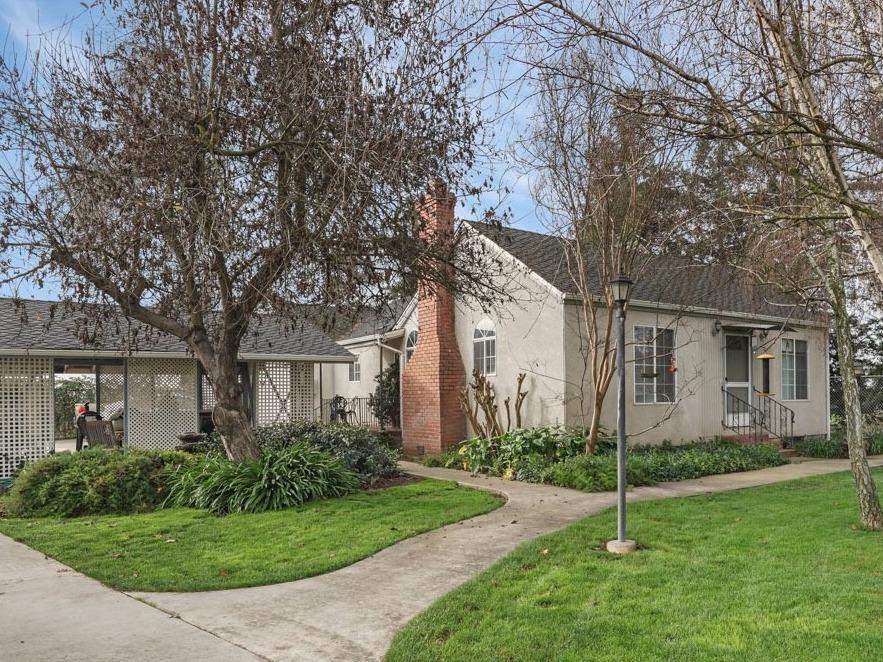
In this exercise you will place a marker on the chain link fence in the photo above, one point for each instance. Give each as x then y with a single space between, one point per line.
871 397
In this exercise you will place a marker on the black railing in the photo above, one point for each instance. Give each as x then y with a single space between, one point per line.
353 411
768 417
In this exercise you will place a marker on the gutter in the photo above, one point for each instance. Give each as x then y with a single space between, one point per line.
248 356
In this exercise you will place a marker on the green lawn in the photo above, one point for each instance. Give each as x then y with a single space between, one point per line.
774 573
191 550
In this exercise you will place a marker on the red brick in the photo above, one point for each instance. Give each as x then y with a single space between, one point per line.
432 419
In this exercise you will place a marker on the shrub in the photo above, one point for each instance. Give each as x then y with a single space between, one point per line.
835 447
649 465
94 482
386 401
506 454
282 478
820 447
359 450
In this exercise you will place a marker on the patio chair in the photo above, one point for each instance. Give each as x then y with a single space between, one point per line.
100 434
80 423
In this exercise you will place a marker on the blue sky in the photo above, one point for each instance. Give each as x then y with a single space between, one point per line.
21 18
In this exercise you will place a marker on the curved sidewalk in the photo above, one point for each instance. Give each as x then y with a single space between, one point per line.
353 613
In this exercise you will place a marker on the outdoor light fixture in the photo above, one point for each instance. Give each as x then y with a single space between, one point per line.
622 289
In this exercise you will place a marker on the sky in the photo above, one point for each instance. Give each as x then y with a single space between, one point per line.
510 194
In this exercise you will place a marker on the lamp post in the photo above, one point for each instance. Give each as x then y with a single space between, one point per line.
622 288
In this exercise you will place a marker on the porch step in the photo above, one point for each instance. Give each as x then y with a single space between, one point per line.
755 438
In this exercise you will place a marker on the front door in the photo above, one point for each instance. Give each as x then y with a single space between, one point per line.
737 380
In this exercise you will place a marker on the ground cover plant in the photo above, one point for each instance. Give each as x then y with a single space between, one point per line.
555 455
93 482
835 447
773 573
182 549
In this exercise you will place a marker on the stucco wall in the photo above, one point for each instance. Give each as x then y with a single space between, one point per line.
699 361
335 376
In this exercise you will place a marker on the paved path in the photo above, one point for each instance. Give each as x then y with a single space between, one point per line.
48 612
353 613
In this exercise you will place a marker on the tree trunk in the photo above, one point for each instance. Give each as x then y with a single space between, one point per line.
236 432
868 499
595 424
229 415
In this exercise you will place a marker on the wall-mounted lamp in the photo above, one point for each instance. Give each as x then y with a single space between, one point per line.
716 328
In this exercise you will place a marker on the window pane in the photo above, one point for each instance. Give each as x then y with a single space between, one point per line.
801 387
665 379
478 356
737 359
788 371
490 355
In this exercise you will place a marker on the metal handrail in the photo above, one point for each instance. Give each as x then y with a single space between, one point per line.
770 416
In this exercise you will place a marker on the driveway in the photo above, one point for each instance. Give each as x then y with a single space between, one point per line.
50 612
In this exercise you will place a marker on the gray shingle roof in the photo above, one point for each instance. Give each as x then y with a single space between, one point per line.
668 280
46 325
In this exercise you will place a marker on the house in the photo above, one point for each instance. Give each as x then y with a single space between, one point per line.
149 380
708 353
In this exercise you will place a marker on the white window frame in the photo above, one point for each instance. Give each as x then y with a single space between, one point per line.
657 335
485 337
411 344
793 353
355 371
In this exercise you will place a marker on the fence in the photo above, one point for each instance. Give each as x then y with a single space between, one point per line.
354 411
870 388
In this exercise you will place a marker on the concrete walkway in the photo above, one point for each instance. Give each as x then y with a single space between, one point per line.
353 613
49 612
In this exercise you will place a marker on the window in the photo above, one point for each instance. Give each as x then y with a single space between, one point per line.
484 348
355 371
654 365
410 345
794 370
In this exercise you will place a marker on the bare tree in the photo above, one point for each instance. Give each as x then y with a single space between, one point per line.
199 162
797 86
604 181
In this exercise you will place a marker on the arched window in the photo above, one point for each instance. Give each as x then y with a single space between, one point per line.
410 344
484 348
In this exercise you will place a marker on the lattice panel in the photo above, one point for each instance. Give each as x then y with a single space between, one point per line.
208 393
302 404
111 389
26 411
162 401
284 392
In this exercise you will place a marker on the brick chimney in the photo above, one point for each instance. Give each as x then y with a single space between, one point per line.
432 419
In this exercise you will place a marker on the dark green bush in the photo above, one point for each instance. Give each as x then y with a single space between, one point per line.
282 478
649 465
359 450
94 482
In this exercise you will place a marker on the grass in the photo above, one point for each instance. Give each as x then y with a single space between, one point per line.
774 573
191 550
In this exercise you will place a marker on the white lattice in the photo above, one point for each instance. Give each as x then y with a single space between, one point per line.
26 411
161 400
111 389
302 404
284 392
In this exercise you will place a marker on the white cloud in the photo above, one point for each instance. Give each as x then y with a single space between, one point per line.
20 17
